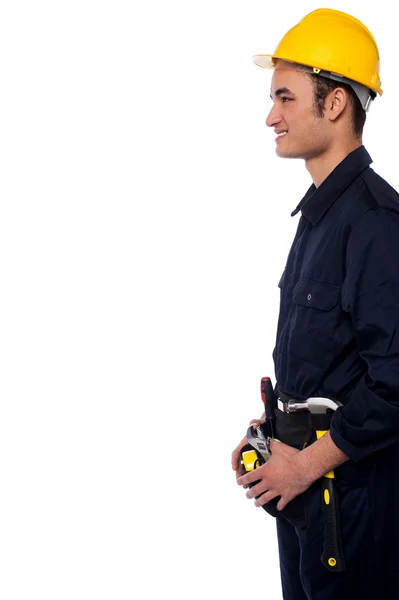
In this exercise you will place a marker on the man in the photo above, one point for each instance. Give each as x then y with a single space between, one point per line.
338 329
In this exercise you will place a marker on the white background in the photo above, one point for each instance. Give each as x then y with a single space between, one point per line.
145 222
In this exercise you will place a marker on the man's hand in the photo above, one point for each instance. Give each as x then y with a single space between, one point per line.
235 456
281 475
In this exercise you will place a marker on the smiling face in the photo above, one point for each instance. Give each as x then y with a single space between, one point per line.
301 133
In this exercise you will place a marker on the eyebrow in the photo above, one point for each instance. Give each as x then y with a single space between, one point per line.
280 91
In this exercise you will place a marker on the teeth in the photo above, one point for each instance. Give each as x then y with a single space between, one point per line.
282 133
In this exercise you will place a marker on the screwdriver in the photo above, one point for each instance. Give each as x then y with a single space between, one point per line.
268 399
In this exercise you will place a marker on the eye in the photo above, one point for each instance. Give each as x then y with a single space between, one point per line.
285 99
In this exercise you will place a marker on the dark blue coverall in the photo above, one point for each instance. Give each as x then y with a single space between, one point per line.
338 337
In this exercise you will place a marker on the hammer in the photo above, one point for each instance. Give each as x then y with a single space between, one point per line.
333 555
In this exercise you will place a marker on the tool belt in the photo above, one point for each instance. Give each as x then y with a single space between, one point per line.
297 430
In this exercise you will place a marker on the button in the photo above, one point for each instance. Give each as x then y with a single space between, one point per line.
309 296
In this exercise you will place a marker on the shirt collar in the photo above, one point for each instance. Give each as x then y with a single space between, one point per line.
317 201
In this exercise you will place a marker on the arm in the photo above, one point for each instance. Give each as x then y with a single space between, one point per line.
320 457
369 421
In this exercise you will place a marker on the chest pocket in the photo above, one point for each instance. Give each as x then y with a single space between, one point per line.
320 296
316 316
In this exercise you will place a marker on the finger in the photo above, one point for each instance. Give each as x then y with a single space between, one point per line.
244 480
256 422
277 447
234 460
282 503
266 497
256 490
235 455
239 470
239 473
248 478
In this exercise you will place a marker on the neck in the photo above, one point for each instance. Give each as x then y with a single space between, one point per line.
322 165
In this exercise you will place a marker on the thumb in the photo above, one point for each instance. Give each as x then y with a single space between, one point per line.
273 443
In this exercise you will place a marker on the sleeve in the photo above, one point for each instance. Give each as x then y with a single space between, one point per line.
369 421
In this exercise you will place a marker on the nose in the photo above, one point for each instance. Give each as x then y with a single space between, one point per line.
273 118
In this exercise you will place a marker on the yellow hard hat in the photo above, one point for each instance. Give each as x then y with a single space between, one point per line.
332 41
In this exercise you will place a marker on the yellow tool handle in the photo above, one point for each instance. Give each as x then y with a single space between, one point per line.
333 556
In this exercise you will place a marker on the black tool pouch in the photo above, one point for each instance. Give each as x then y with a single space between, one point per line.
294 512
294 433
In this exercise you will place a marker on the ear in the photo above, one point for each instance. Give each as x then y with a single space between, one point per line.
336 102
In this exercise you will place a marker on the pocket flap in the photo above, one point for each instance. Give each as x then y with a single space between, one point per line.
313 294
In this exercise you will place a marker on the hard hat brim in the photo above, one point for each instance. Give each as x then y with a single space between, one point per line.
264 60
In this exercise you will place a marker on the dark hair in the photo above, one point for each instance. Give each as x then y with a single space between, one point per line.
322 86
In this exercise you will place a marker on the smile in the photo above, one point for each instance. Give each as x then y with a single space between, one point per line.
280 135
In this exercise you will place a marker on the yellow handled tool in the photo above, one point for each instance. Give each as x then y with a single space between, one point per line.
333 555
